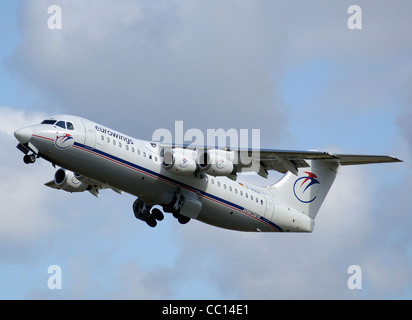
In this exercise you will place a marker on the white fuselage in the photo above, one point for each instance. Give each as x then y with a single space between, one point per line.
135 166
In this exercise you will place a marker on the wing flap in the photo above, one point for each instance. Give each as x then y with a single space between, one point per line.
287 160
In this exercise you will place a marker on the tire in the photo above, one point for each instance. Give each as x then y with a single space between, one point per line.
26 159
157 214
29 158
151 222
183 219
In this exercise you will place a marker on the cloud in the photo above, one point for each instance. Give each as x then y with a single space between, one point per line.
24 216
404 121
162 60
211 64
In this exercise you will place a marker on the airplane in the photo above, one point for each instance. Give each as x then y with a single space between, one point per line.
189 182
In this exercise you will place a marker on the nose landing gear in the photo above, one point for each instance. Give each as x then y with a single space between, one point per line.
29 158
26 149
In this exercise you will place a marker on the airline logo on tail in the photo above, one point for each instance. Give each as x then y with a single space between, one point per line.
302 185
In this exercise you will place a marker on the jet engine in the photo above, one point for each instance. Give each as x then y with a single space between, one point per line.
216 163
179 161
66 180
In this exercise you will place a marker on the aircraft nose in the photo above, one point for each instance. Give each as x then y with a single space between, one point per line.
23 135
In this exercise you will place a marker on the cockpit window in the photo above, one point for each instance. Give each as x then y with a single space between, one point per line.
48 122
61 124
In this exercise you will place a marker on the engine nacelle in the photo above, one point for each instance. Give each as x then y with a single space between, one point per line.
67 181
179 161
216 163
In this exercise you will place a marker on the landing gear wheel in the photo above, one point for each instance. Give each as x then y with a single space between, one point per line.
157 214
29 158
151 221
183 219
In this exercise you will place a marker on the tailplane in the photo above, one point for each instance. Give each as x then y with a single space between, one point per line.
307 190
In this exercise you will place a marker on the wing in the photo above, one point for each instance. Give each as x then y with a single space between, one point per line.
71 182
283 160
260 161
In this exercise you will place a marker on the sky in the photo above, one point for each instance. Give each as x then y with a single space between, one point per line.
292 69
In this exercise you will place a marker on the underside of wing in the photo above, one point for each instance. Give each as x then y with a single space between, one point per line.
285 160
72 182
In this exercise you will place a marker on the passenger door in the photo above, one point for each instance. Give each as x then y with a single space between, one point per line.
89 134
269 207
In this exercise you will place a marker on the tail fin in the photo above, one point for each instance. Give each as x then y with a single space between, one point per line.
307 190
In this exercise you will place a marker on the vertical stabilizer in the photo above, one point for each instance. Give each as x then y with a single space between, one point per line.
307 190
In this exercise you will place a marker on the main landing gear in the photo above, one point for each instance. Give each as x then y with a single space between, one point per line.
175 206
142 210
